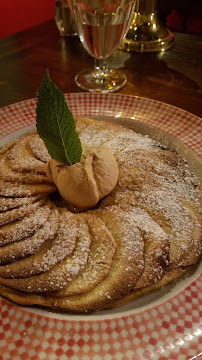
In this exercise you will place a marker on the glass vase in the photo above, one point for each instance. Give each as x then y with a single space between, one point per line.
146 32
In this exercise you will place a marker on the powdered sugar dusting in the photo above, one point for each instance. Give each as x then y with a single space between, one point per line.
27 247
99 261
21 150
16 214
91 137
27 226
59 275
62 245
38 148
146 224
11 203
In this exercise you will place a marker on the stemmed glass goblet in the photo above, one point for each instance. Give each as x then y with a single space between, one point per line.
101 25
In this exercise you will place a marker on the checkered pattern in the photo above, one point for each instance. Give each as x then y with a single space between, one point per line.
170 330
177 122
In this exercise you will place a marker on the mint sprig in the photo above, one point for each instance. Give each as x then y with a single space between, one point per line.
55 124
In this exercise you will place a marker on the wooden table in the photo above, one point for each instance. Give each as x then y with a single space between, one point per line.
173 76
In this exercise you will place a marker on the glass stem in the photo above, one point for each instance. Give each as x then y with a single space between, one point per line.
101 69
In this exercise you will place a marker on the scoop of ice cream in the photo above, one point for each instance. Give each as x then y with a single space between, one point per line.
85 183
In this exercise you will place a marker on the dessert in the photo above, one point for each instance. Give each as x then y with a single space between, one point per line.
140 236
85 256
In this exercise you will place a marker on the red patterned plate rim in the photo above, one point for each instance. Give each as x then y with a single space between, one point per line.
178 126
84 94
176 318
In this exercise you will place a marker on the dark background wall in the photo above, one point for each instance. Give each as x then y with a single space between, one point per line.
180 15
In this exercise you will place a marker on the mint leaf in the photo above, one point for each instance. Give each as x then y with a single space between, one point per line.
55 124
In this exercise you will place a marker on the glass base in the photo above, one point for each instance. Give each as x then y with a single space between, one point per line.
113 81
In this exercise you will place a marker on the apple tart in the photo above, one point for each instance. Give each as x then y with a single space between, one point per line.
144 234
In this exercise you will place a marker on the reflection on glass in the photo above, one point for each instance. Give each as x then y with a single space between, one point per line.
64 19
